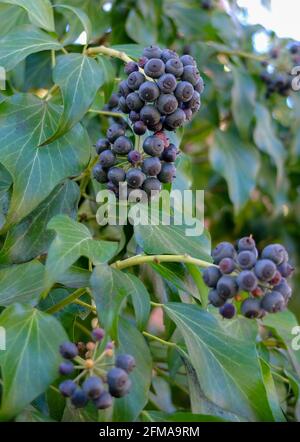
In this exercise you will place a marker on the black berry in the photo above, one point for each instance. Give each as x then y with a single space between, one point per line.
152 52
167 83
115 131
227 287
79 398
227 311
139 128
93 387
246 243
116 175
223 250
98 334
184 91
134 102
134 157
153 146
191 74
154 68
273 302
175 120
150 115
135 178
66 368
151 184
126 362
124 89
274 252
247 281
67 388
103 401
265 269
122 145
215 299
151 166
117 379
167 104
68 350
101 145
135 80
169 154
174 66
167 173
251 308
246 260
211 276
167 54
149 91
107 158
187 60
99 174
134 116
227 266
131 67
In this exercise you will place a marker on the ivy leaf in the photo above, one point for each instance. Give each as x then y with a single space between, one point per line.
181 416
40 12
21 283
23 41
243 99
82 17
229 154
140 29
72 241
10 18
30 237
132 341
221 362
36 171
171 239
110 288
35 338
267 141
73 73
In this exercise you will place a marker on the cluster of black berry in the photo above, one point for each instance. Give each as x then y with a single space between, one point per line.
92 377
162 92
280 82
241 269
208 5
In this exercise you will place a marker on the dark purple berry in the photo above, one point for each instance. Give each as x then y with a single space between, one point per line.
191 74
123 106
167 54
169 154
284 289
227 287
101 145
126 362
117 379
154 68
135 80
167 83
68 350
247 281
93 387
227 266
273 302
152 52
115 131
194 103
188 60
246 260
167 104
184 91
199 86
150 185
246 243
151 166
122 146
124 89
155 127
79 398
227 311
134 157
265 269
99 174
139 128
66 368
103 401
274 252
150 115
211 276
223 250
107 159
167 173
98 334
251 308
116 175
135 178
134 102
130 67
174 66
277 278
149 91
153 146
215 299
142 61
134 116
175 120
113 101
285 269
67 388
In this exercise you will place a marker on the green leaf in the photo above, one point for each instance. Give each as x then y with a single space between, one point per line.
271 392
140 29
21 283
40 12
172 239
267 141
110 288
30 414
221 363
132 341
73 73
243 99
238 163
30 362
30 237
10 18
23 41
72 241
37 171
283 324
82 17
158 416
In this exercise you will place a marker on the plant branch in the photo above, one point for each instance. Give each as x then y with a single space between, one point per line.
68 300
110 52
155 338
108 113
157 259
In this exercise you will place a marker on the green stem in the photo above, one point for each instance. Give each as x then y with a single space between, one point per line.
68 300
86 305
158 259
161 341
110 52
108 113
233 52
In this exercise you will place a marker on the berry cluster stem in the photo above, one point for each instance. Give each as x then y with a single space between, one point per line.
157 259
110 52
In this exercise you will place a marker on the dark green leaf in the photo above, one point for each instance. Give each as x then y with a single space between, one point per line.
36 171
35 338
23 41
82 17
21 283
243 99
40 12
